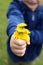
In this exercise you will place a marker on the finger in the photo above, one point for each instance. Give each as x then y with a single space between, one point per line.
19 51
15 46
28 42
19 54
19 42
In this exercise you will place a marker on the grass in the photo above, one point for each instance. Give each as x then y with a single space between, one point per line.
3 37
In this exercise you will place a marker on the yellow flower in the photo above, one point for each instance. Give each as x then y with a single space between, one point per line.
15 35
22 36
21 32
21 25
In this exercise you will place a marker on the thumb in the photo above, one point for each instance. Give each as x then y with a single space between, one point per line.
28 42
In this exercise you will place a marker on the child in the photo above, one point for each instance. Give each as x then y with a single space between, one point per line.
30 12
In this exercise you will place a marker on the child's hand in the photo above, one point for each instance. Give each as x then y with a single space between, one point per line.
18 46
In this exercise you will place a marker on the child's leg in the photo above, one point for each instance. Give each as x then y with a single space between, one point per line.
11 62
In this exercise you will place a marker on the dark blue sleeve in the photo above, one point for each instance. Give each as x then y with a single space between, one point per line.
37 35
14 17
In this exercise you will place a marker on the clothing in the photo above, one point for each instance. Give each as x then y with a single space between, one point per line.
11 62
18 12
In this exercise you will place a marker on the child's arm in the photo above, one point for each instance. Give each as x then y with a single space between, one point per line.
36 36
14 17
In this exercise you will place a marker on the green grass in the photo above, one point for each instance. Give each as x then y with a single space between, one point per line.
3 37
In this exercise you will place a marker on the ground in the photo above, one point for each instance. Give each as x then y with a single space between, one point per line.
3 37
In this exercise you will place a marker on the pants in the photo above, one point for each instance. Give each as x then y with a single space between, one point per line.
11 62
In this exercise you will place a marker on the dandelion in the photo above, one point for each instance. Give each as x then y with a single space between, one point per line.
21 32
21 25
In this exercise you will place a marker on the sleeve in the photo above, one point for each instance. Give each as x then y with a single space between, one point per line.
36 36
14 17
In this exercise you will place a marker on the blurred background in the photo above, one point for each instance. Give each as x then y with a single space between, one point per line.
3 37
